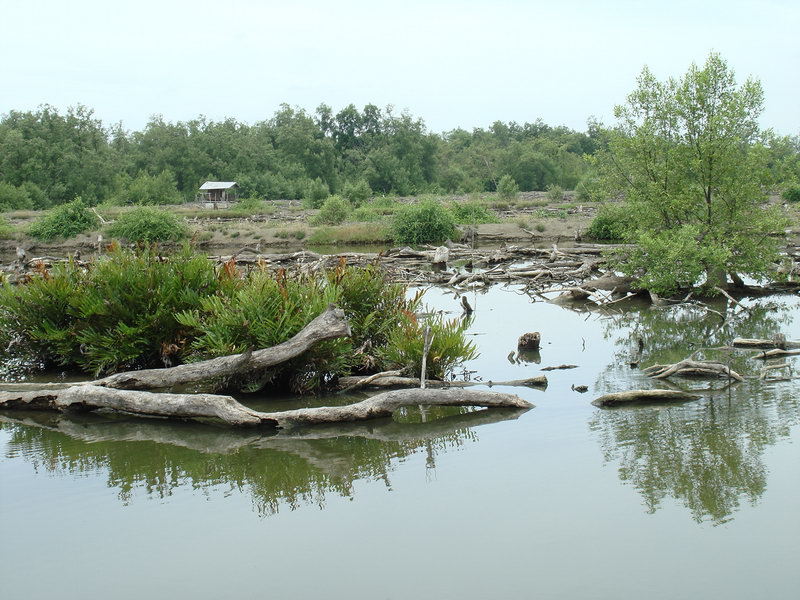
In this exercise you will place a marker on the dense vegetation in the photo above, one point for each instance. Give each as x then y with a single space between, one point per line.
135 309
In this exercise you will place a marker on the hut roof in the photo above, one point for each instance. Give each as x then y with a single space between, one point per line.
218 185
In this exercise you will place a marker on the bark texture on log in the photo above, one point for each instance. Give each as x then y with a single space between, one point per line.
392 380
693 368
643 396
764 344
228 410
329 325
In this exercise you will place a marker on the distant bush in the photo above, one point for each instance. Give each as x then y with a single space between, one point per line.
14 198
507 188
251 206
146 225
64 221
333 212
555 193
6 230
148 190
426 222
792 193
611 223
471 213
357 193
315 193
365 214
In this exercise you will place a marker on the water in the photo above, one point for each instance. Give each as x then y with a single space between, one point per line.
696 500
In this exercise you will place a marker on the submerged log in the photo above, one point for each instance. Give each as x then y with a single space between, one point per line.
692 368
329 325
392 380
643 396
760 344
228 410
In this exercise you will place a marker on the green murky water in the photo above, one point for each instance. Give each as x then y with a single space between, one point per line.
697 500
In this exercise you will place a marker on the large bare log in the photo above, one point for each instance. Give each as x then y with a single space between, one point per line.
228 410
759 344
643 396
329 325
693 368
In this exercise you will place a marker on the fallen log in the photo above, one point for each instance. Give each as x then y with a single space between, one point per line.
228 410
643 396
329 325
760 344
560 367
391 380
692 368
776 353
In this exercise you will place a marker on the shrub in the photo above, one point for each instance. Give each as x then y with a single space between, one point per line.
6 230
365 214
146 225
333 212
14 198
472 212
149 190
357 193
555 193
315 193
791 193
64 221
449 347
426 222
507 188
611 223
39 200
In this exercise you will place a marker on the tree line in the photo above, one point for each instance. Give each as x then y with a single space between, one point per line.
48 157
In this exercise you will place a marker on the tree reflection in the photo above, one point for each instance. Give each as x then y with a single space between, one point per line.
707 455
284 469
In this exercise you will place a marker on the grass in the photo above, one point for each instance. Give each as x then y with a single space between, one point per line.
353 233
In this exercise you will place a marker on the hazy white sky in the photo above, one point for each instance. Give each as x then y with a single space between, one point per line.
462 63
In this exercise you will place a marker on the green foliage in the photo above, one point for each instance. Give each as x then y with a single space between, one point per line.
555 193
612 223
315 193
357 193
507 188
791 193
6 230
117 315
14 198
365 214
449 347
333 211
64 221
426 222
471 213
687 158
146 225
149 190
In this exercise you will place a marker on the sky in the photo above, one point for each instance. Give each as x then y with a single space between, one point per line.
464 63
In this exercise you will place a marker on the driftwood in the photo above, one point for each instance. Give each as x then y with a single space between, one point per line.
389 380
329 325
759 344
692 368
643 396
776 353
228 410
560 367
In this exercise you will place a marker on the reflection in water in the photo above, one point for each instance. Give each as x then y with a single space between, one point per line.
707 455
289 468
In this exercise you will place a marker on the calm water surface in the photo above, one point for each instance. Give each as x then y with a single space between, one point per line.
697 500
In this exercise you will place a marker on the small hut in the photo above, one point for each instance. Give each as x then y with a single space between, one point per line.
217 194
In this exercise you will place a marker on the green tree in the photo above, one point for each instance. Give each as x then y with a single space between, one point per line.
687 157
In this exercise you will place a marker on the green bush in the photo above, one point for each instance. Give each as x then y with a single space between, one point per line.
145 224
333 212
365 214
423 223
555 193
6 230
449 347
357 193
14 198
472 212
64 221
148 190
791 193
315 193
611 223
507 188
